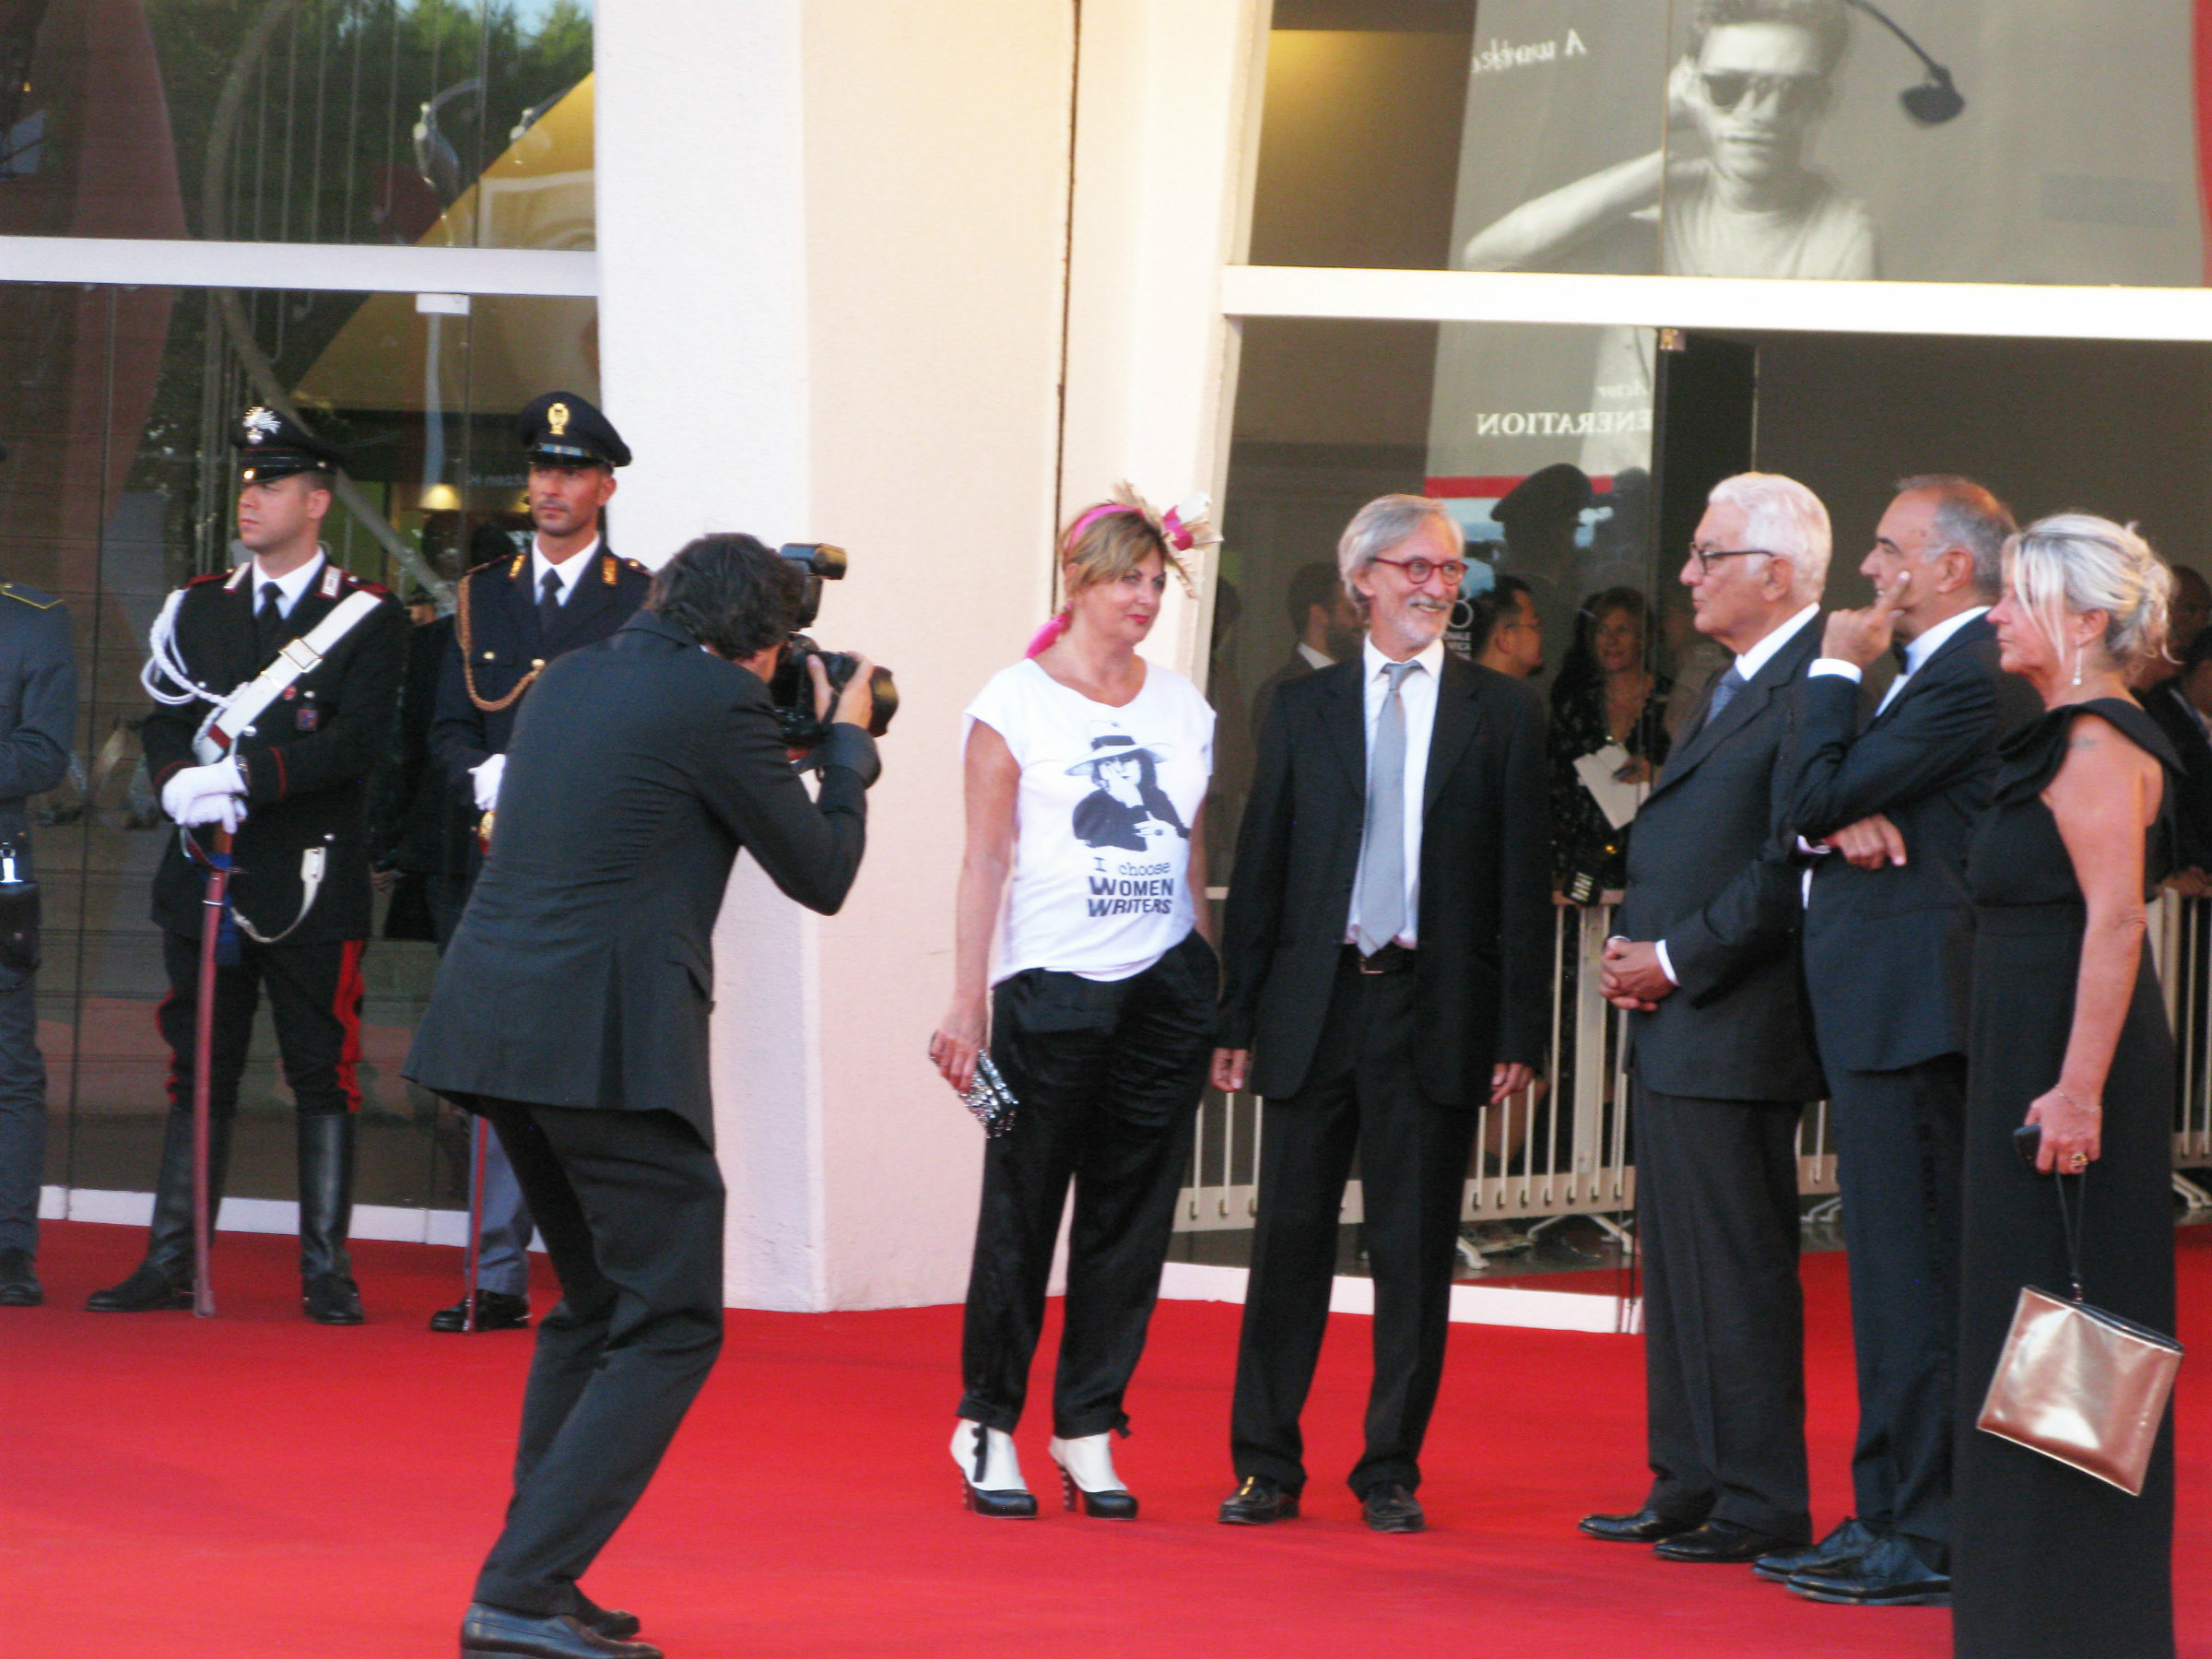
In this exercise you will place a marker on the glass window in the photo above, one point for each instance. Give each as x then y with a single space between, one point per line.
1780 138
117 406
445 123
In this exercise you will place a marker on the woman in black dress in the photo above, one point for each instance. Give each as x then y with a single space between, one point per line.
2069 1032
1607 692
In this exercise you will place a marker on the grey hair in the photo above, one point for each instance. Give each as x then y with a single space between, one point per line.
2074 562
1783 517
1968 517
1380 525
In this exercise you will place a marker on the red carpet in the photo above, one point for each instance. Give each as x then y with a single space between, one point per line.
261 1486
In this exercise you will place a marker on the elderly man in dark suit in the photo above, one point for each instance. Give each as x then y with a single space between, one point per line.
1706 956
1386 960
1888 935
571 1009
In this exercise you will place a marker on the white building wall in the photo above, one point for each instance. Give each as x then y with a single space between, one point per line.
833 246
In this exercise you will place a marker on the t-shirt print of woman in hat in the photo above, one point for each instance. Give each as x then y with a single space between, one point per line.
1126 807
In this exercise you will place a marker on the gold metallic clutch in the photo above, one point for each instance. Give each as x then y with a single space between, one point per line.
2080 1385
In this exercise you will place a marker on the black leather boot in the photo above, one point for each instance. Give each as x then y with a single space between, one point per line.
327 1293
163 1280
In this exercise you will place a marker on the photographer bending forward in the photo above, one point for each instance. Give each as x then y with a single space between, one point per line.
571 1009
1085 770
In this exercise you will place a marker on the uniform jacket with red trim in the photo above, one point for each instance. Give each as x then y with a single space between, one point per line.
306 759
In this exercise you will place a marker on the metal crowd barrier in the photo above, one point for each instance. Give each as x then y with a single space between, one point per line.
1563 1147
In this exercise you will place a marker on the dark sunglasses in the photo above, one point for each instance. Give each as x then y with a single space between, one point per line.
1791 94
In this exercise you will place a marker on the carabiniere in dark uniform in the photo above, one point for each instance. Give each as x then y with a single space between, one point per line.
299 890
38 712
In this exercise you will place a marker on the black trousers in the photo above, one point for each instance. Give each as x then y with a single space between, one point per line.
631 1205
1723 1314
314 1002
1898 1137
1108 1076
22 1111
1361 1095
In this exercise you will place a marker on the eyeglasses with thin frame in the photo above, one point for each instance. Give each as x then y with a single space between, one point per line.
1726 91
1705 555
1418 571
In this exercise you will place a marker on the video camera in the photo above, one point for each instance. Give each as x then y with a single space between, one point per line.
791 689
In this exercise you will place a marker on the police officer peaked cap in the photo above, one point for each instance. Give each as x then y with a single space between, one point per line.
1559 492
567 430
276 446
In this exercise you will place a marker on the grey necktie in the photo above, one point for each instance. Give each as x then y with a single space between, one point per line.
1723 693
1382 842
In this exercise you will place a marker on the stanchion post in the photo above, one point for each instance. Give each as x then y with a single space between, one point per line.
478 1144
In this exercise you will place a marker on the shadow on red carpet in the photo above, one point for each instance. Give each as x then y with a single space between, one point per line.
258 1486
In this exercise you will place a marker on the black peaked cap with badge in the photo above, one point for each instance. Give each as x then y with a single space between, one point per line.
562 428
276 446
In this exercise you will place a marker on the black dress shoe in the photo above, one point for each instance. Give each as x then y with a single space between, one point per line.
19 1286
1721 1541
148 1290
496 1311
1839 1552
1260 1500
1891 1574
1645 1526
1390 1508
610 1622
331 1298
490 1632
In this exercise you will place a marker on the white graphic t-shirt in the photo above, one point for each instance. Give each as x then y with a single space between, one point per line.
1102 819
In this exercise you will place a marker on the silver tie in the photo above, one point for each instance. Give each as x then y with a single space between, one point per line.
1382 887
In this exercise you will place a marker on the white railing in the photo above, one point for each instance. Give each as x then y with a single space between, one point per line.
1562 1147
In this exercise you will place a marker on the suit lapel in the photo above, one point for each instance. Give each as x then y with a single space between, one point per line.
1978 629
1344 715
1778 671
1458 713
594 593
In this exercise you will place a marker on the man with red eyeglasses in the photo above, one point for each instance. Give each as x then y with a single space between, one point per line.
1386 976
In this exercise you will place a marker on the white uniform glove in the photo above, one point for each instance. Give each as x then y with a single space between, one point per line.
201 794
228 810
486 774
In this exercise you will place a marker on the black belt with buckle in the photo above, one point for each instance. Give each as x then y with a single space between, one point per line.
1394 958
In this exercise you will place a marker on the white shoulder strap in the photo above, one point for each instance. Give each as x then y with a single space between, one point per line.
298 657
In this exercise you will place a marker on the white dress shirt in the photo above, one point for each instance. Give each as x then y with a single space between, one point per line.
290 588
570 570
1416 690
1918 650
1315 660
1747 667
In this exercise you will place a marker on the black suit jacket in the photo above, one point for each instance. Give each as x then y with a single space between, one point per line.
1888 952
581 971
1710 873
38 702
1482 977
2193 800
307 759
505 644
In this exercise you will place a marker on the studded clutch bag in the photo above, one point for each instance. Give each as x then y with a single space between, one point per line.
989 1098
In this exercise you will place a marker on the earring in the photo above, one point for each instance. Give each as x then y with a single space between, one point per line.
2078 662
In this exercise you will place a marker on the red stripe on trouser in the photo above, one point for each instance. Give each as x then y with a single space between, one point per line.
346 1005
177 1081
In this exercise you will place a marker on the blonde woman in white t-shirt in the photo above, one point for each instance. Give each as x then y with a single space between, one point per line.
1082 957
